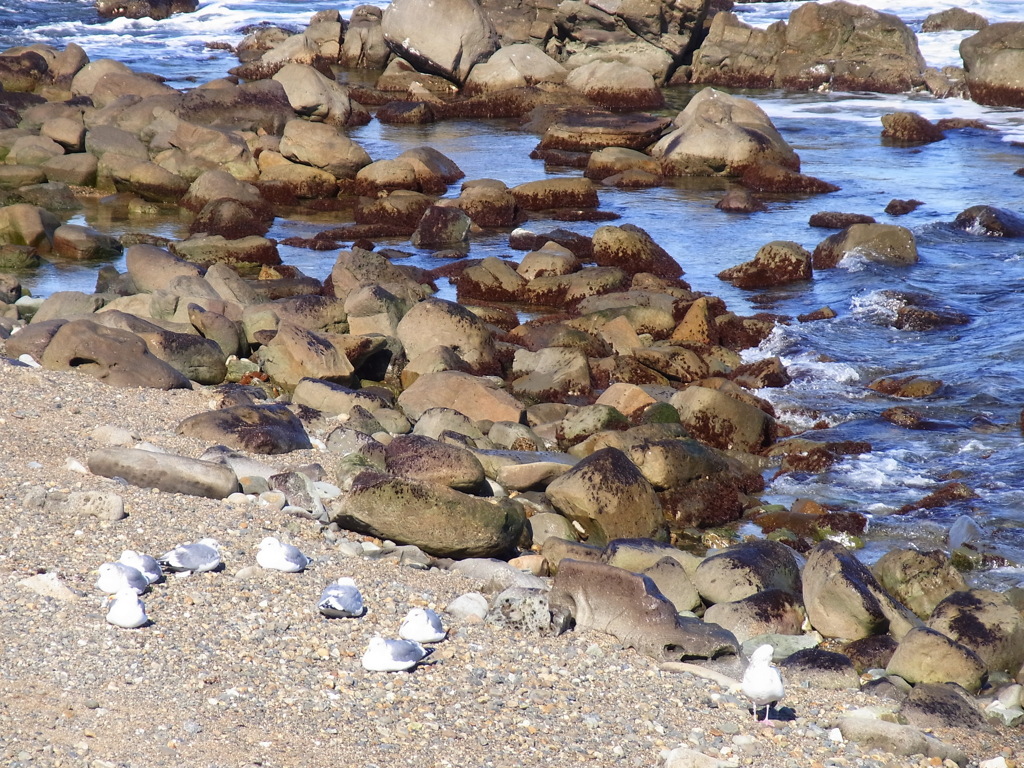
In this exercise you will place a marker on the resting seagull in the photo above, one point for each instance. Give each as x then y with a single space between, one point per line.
762 683
116 577
126 610
386 655
145 564
200 556
277 556
423 626
341 600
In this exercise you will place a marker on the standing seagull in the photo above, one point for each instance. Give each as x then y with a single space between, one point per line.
392 655
422 625
341 600
762 683
277 556
203 555
145 564
126 609
115 577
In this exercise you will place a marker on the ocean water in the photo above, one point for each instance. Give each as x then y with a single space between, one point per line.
974 420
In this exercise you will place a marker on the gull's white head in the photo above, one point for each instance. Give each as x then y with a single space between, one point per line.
763 655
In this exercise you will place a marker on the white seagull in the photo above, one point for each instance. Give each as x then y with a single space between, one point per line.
200 556
762 683
145 564
341 600
277 556
385 655
126 610
423 626
116 577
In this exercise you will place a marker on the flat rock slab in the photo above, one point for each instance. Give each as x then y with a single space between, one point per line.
166 472
593 130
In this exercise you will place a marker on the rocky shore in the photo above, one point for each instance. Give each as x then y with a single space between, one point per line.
554 461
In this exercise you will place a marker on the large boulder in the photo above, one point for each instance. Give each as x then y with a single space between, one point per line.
920 580
994 64
927 656
747 569
167 472
609 497
839 45
439 520
440 37
776 263
141 9
364 46
317 97
323 146
436 322
719 134
114 356
476 397
987 623
882 243
722 421
843 599
266 429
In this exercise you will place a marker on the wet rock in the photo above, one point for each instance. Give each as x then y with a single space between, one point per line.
724 422
987 623
837 220
820 669
629 606
932 705
955 19
740 201
910 128
747 569
632 250
441 521
587 130
897 207
266 429
907 386
946 495
864 50
166 472
776 263
489 203
919 580
441 227
555 193
882 243
608 496
990 221
991 63
140 9
843 599
24 224
770 611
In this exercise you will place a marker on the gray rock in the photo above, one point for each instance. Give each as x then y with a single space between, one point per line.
932 705
869 733
820 669
987 623
166 472
497 575
105 505
420 458
746 569
441 521
770 611
927 656
521 609
843 599
607 495
467 606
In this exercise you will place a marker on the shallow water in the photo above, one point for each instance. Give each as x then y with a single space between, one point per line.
977 436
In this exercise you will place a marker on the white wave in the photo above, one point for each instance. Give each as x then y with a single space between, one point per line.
876 306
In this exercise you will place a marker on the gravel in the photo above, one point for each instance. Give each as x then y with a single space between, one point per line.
238 667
